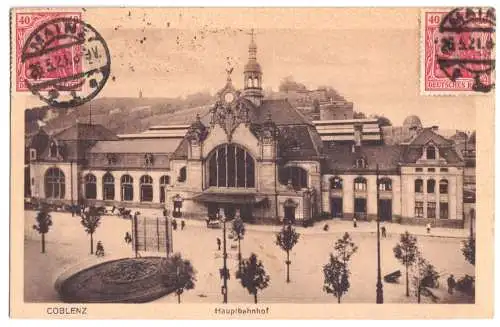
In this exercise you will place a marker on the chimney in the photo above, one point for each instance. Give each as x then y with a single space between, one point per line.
435 128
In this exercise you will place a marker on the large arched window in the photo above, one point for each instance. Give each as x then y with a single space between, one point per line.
127 187
431 186
360 184
108 187
90 186
419 186
385 184
54 183
146 188
164 181
336 183
443 186
230 165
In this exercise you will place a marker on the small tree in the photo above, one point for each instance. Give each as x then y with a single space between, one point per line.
180 273
406 252
286 240
253 276
425 276
469 250
90 221
43 223
336 271
238 234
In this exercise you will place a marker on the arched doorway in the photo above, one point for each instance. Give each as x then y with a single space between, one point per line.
289 211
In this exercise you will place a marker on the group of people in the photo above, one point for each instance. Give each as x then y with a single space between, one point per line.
174 224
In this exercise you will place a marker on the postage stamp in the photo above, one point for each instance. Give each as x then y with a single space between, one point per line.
458 51
63 60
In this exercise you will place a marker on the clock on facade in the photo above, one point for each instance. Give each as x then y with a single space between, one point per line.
228 97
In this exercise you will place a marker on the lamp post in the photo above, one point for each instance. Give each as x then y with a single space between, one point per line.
380 291
224 271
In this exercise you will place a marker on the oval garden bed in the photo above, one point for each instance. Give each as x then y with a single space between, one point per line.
130 280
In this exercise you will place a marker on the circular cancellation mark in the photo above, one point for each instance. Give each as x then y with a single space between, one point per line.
67 62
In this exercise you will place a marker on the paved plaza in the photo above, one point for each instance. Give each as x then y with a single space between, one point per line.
68 246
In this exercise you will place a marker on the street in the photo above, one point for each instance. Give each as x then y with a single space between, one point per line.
68 245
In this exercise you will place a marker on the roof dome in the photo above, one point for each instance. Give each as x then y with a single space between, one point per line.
412 121
252 66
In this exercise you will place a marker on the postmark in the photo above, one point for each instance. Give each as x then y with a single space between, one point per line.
458 51
66 62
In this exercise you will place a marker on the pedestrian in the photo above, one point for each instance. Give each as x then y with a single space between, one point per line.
384 232
183 224
218 243
428 226
99 252
326 227
128 238
165 212
451 284
174 224
354 222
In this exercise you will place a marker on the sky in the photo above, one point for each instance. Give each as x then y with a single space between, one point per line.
369 56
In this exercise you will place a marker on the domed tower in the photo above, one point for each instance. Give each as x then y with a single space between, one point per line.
253 76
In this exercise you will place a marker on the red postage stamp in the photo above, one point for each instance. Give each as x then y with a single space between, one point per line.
60 62
458 51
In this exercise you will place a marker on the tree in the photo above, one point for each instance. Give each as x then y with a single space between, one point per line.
469 250
336 271
238 234
180 273
425 276
43 223
289 84
406 252
253 276
359 115
382 120
90 221
286 240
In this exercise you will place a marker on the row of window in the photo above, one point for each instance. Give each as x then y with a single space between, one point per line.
361 184
431 186
431 170
431 210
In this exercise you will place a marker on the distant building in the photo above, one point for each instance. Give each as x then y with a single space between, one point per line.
262 158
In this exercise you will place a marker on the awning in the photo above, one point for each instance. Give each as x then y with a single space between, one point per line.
211 197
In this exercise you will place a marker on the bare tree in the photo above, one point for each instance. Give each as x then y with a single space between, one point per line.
43 223
286 240
406 252
179 272
253 276
336 271
90 221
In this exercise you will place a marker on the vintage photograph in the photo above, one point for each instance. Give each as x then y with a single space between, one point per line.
187 156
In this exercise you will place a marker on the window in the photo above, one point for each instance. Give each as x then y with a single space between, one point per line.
443 210
360 184
419 170
164 181
431 209
431 170
294 177
32 154
419 186
108 187
431 186
146 188
431 152
90 186
111 158
419 209
443 186
360 163
127 188
385 184
54 183
229 165
336 183
148 159
443 170
53 149
182 175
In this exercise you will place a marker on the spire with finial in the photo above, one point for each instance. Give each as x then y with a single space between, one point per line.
252 49
253 74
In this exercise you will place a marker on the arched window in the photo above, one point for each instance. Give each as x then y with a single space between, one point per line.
360 163
127 187
249 82
54 183
293 177
385 184
90 186
431 186
164 181
230 165
108 187
146 188
431 152
443 186
182 175
419 186
360 184
336 183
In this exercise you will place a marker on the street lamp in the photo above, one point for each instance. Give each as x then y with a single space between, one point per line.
224 272
380 291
